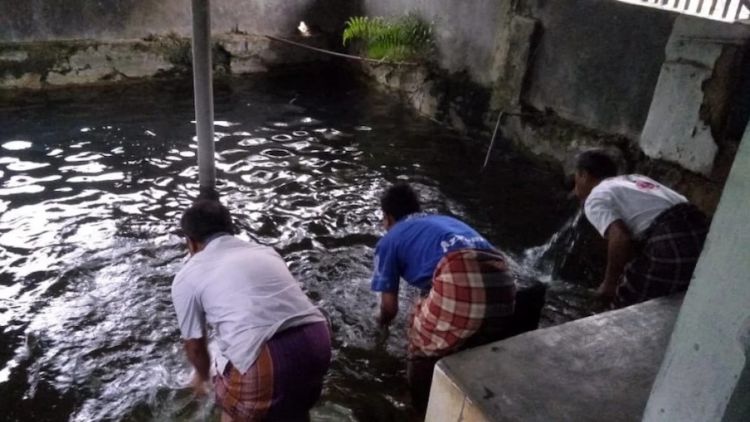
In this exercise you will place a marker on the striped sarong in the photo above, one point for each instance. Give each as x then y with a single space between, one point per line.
284 382
665 263
470 289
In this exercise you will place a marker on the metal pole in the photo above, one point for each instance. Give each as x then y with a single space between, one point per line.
204 99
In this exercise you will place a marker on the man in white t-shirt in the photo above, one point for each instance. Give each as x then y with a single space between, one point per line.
274 344
654 235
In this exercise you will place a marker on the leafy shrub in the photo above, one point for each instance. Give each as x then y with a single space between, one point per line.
403 39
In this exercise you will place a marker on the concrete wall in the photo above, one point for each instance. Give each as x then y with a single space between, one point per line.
42 20
688 116
705 375
597 62
465 31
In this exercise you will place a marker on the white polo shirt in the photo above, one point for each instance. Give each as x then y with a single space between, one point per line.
636 200
245 292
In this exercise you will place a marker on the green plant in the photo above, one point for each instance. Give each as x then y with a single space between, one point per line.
402 39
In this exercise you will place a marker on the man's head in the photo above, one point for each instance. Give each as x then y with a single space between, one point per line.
202 220
591 168
397 202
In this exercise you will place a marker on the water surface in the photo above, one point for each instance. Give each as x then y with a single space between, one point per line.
92 183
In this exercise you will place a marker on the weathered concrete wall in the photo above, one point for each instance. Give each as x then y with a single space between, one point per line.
706 372
588 66
50 64
43 20
597 62
689 111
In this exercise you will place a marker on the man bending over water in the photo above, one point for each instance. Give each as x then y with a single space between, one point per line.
654 235
275 345
465 284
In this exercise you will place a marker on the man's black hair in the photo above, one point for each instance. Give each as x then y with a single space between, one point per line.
399 201
205 218
597 163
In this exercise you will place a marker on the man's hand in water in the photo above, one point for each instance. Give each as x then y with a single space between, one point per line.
199 385
197 353
388 308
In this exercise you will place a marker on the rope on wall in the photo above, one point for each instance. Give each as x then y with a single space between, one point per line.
337 54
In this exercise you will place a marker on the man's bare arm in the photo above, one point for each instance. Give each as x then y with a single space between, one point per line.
388 308
619 252
197 354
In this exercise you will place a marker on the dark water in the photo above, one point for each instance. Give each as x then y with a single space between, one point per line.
92 182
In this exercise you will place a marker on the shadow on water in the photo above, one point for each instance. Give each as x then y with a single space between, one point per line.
92 182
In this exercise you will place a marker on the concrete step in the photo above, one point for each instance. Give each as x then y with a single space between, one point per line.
599 368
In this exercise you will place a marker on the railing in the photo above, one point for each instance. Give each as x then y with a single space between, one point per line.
722 10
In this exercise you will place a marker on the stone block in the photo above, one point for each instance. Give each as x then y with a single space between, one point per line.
85 66
674 130
508 88
239 65
108 62
700 41
593 369
446 398
13 56
691 97
136 63
25 81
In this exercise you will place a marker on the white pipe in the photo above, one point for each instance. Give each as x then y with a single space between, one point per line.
204 101
492 142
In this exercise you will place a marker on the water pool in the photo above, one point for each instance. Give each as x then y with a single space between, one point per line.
92 183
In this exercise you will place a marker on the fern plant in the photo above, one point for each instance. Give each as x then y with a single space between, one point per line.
403 39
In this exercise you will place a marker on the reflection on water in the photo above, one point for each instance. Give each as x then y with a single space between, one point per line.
92 183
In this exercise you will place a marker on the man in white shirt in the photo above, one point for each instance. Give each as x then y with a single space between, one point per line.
275 345
654 235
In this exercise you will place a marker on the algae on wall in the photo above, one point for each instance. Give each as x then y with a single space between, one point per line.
35 65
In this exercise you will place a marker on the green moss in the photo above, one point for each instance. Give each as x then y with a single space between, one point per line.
42 56
176 49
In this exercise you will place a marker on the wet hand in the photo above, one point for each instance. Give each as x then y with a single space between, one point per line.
199 386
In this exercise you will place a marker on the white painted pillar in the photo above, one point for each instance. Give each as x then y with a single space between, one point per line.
705 375
204 98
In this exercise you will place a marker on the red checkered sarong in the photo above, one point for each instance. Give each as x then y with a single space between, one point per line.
470 289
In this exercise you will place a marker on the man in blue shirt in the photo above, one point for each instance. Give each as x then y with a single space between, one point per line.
467 290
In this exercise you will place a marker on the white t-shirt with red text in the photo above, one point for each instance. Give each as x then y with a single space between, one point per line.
636 200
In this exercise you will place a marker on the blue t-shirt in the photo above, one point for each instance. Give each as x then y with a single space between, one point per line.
413 247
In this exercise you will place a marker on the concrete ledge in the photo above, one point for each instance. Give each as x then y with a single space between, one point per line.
594 369
51 64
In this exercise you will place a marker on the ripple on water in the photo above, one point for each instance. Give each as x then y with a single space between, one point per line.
17 145
276 153
282 137
21 166
89 168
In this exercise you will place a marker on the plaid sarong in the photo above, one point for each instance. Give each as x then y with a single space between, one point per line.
470 289
665 263
284 382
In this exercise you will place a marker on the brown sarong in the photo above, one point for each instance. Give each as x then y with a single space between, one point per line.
284 382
